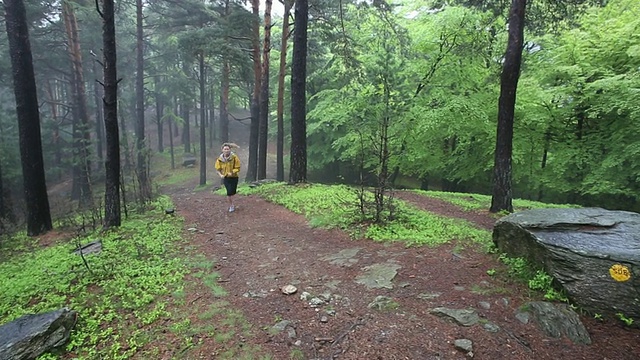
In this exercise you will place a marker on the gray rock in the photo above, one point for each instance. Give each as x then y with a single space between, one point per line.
464 317
491 327
484 305
578 247
188 160
429 296
382 303
379 276
557 320
94 247
346 257
281 325
523 317
465 345
32 335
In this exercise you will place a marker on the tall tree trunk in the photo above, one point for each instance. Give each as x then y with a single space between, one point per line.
26 96
263 126
281 75
212 110
97 93
203 128
112 164
185 107
5 211
142 168
55 136
173 161
502 192
159 113
298 168
224 101
252 164
81 134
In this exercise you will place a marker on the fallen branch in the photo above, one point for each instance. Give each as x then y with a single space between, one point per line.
347 331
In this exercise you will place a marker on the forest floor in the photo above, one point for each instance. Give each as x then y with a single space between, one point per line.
262 247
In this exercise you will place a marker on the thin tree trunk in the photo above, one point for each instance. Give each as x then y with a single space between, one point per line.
212 117
203 128
502 191
186 129
252 165
224 101
298 169
263 126
281 75
159 114
3 207
26 97
112 215
81 135
173 161
142 168
97 93
55 136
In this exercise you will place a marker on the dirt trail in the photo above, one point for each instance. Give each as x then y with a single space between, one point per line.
366 300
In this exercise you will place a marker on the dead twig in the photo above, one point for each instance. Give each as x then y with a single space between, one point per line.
346 332
521 341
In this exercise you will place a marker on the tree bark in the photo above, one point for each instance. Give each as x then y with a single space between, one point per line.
81 135
184 107
159 113
263 125
298 168
224 101
97 93
502 192
26 97
203 128
4 209
224 86
112 215
281 75
55 135
252 164
142 168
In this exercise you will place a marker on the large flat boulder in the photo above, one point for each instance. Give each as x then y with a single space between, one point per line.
32 335
592 253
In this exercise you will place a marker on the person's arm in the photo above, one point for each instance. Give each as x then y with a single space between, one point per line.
219 168
236 166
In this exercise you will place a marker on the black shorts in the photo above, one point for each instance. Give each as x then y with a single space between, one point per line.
231 184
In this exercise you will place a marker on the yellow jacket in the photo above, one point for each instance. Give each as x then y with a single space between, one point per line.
228 167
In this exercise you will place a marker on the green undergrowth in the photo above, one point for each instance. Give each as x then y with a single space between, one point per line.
521 270
128 297
471 202
178 175
118 294
337 206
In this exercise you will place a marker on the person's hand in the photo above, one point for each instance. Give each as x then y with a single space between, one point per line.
221 176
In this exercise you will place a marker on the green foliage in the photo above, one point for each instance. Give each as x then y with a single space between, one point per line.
416 227
471 202
538 280
337 206
324 205
123 289
628 321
